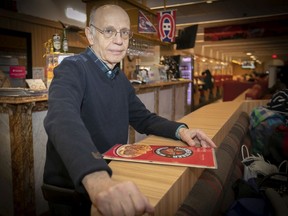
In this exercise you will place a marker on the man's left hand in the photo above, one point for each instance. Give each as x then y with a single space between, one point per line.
196 137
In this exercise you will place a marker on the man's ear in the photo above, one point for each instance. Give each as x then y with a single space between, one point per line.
89 35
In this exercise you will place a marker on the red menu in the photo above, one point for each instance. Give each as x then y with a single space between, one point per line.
169 155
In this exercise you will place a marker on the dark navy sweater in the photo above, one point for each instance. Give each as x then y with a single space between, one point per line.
87 114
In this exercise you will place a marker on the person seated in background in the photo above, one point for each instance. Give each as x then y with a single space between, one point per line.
208 80
282 75
91 105
281 82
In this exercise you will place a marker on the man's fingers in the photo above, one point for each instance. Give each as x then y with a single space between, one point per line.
196 138
141 206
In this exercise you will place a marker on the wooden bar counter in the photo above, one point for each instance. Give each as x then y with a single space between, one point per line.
167 186
23 141
17 181
23 145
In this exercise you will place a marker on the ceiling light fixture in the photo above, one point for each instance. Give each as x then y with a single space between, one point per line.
75 15
182 4
236 62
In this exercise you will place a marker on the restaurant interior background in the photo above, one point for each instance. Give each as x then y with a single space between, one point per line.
27 25
227 31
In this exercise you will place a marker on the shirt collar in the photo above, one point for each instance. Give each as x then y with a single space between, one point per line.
111 74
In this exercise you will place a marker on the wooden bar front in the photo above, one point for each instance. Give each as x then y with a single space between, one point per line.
23 143
167 186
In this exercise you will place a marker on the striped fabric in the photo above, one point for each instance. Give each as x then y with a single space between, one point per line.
212 194
279 102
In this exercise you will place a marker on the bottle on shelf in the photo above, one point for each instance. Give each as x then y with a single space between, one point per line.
50 67
52 62
64 41
56 43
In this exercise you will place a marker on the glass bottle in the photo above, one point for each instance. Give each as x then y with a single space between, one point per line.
65 41
56 43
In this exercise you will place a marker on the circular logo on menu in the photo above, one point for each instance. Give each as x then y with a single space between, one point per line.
174 152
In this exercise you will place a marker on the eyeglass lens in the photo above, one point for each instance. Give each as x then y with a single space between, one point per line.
110 31
124 33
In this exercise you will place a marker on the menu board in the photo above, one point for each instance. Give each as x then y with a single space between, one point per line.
168 155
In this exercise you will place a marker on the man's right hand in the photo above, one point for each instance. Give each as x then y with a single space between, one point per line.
115 198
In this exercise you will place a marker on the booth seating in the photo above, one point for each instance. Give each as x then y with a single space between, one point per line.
218 83
256 89
212 194
254 93
233 88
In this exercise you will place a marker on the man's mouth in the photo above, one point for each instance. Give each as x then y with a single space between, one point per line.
116 52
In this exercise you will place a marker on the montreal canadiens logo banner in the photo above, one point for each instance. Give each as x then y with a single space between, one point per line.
144 24
167 25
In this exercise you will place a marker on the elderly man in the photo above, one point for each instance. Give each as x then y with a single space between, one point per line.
91 104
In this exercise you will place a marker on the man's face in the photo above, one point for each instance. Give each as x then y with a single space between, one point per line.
110 50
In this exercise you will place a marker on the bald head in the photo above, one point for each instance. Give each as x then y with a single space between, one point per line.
100 14
107 18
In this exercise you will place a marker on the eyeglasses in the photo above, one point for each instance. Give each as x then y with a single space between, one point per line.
110 31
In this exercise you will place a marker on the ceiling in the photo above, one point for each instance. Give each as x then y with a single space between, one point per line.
191 12
226 13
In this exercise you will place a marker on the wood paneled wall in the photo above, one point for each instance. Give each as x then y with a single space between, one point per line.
132 8
41 30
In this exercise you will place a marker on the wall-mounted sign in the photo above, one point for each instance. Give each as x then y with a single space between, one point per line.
17 72
144 24
167 25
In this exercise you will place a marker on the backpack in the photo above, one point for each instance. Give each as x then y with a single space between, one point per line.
263 122
277 148
279 102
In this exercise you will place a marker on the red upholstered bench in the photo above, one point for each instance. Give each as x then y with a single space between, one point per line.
254 93
232 88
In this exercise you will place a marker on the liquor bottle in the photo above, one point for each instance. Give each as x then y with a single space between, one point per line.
65 41
50 67
56 43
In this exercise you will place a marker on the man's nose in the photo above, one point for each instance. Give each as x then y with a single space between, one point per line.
117 38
